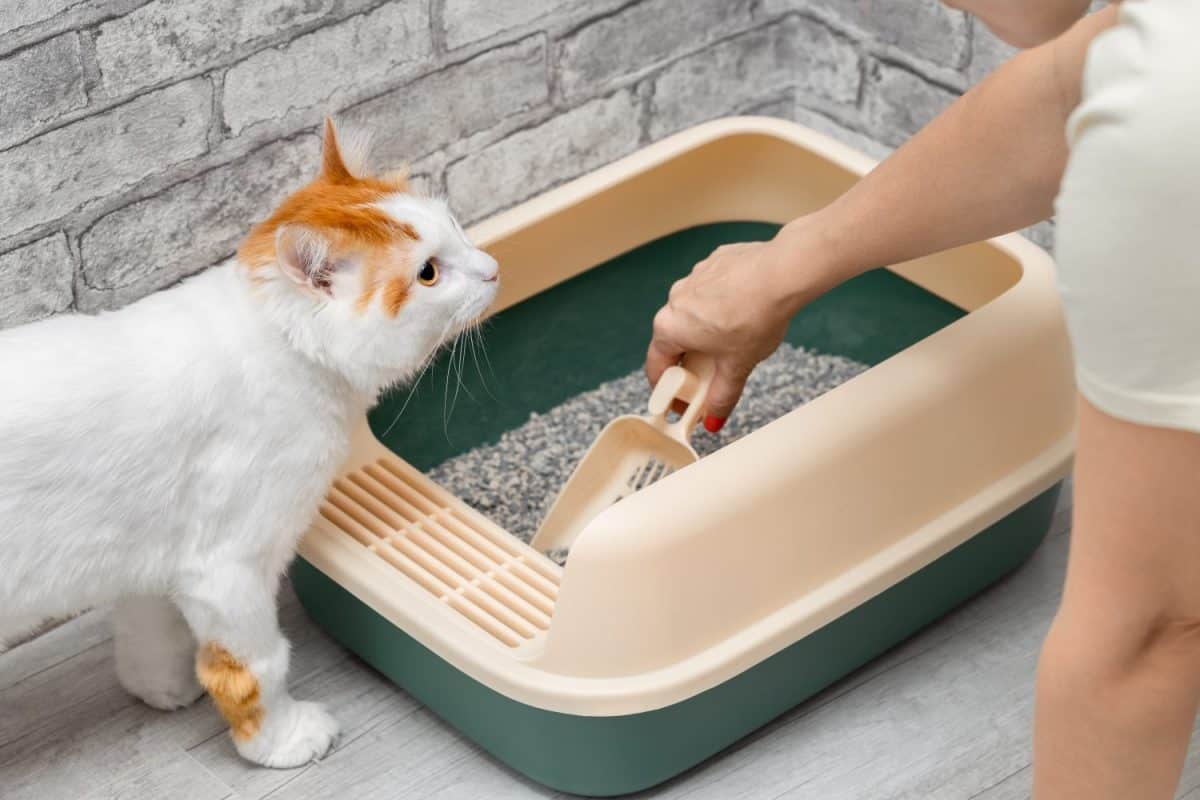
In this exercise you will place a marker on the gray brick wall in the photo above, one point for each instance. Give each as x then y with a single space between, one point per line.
138 138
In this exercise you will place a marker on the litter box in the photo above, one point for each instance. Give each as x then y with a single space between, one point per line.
698 609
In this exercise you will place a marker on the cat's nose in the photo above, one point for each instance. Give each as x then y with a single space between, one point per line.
489 269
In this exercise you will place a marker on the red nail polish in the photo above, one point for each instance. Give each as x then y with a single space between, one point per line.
713 424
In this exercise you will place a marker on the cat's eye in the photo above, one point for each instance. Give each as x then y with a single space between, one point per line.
429 273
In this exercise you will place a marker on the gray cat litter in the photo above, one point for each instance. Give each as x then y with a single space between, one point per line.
515 480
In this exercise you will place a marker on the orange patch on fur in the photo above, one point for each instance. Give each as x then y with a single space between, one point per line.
394 295
233 688
370 285
379 273
342 207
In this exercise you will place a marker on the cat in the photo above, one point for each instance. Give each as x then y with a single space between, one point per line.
166 457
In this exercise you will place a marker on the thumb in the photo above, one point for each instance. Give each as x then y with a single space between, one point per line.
723 395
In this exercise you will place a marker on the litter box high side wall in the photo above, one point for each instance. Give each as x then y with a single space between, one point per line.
780 533
138 138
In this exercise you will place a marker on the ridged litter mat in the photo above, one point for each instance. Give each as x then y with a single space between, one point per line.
515 480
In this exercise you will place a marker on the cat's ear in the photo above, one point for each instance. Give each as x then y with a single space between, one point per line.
303 255
344 153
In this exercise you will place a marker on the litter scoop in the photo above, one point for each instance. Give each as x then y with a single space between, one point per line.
631 453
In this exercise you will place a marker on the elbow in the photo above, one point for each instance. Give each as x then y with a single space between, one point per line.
1023 24
1027 37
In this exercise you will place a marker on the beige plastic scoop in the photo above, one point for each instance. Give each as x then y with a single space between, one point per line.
631 453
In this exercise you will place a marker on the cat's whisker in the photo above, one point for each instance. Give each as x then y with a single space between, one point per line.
462 366
432 357
413 390
476 346
446 390
459 363
486 358
471 333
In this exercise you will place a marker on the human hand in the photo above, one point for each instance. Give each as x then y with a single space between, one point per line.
735 306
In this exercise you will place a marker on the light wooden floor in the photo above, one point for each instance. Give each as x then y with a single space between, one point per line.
945 715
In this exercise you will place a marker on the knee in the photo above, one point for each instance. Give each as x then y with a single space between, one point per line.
1092 657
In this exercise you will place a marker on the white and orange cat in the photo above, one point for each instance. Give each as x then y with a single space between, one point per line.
167 456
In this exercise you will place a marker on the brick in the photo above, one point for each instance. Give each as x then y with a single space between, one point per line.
26 22
987 53
431 112
23 13
535 159
38 85
1041 234
167 38
35 281
59 171
643 35
421 183
898 103
153 243
324 67
835 130
734 75
923 28
782 107
20 14
469 21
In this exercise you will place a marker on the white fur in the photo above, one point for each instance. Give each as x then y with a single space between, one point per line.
167 457
155 652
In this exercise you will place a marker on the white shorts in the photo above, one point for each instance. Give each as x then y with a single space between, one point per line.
1128 230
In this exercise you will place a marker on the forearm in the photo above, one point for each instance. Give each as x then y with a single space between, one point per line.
990 164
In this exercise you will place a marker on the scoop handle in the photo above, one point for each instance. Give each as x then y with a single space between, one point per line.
687 381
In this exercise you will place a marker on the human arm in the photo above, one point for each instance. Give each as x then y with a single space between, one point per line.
989 164
1024 23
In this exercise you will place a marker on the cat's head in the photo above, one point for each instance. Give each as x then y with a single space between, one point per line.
365 274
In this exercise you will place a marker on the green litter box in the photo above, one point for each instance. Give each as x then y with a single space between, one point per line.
703 606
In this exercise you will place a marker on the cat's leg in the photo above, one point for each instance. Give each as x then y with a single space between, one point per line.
243 663
156 652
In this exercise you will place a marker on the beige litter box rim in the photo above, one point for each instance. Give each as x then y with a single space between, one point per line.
639 622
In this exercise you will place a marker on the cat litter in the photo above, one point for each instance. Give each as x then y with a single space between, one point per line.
515 480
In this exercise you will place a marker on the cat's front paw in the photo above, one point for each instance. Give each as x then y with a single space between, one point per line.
303 733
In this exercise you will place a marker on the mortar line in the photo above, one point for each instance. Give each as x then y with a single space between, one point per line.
55 31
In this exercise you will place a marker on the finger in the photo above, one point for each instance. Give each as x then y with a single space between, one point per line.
723 395
676 290
659 357
662 353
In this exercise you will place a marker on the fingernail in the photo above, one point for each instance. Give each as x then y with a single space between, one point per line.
713 424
